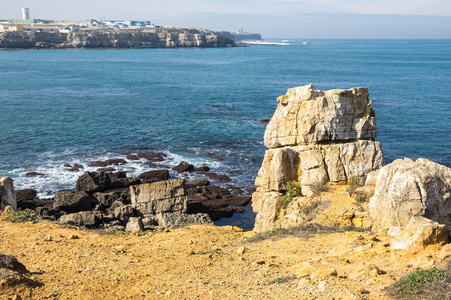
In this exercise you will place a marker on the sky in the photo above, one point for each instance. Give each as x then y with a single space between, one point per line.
359 19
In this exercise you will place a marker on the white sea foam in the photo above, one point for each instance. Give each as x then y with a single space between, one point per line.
57 177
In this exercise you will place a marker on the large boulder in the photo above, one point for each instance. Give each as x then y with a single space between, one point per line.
92 182
73 201
306 115
183 167
154 176
315 137
406 189
7 194
85 218
158 190
418 233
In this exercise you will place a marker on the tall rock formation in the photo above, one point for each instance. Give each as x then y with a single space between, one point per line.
313 138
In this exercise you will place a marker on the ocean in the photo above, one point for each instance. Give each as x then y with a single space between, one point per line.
75 106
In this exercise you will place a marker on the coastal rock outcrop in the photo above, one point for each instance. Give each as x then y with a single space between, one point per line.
313 138
406 189
7 194
166 202
147 38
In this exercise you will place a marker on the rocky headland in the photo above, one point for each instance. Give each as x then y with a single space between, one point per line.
146 38
332 221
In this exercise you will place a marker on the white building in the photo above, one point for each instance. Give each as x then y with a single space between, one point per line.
25 13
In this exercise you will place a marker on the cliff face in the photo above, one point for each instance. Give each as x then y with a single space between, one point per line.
315 137
237 36
157 38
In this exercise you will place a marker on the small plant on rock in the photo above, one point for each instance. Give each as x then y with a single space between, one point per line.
361 198
293 190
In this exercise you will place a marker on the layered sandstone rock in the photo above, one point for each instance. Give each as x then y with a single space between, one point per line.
315 137
406 189
166 202
7 194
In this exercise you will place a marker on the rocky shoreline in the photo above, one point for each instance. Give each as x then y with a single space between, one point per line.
109 199
147 38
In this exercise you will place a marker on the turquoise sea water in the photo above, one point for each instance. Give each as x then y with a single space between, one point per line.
68 106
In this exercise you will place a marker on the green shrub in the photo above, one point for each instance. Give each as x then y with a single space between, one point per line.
20 216
415 283
293 190
361 198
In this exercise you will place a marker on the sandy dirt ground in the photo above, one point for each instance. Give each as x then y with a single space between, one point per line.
203 262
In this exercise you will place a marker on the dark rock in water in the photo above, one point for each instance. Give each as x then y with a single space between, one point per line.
154 176
198 182
34 174
209 154
92 182
215 211
27 194
108 162
202 169
74 168
109 169
151 156
220 158
157 166
10 262
97 163
237 201
116 161
215 201
264 121
131 157
237 191
251 190
215 176
184 167
207 193
73 201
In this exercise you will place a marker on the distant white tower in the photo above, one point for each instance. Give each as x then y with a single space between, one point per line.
25 13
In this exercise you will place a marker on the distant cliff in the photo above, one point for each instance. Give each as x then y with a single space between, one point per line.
240 36
149 38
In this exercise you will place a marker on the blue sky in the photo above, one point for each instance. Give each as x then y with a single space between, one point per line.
271 18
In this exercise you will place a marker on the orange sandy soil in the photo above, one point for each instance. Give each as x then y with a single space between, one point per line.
202 262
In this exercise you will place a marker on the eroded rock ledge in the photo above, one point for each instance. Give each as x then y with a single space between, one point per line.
313 138
149 38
